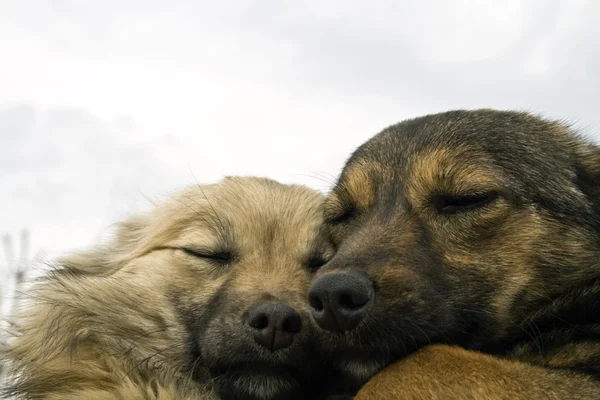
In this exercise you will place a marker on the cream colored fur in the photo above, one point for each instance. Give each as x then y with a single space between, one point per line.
102 324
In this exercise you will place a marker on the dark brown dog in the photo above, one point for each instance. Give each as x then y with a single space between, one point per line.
473 228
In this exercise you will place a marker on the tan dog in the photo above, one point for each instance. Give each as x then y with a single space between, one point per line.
203 297
472 228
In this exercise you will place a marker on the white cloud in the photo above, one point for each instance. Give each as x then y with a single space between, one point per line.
104 102
66 173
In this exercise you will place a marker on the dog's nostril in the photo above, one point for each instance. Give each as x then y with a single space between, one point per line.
352 301
340 300
315 303
260 321
292 324
346 301
274 325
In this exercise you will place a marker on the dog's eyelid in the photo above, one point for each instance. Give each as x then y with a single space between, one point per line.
453 203
222 256
333 210
316 261
340 217
216 255
339 207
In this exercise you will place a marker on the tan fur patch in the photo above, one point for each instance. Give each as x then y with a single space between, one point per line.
358 182
448 171
443 372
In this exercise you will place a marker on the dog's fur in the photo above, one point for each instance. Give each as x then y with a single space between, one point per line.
442 372
143 318
479 229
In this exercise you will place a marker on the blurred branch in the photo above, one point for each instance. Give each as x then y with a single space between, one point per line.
16 275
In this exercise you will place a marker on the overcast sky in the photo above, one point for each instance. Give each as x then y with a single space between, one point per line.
104 104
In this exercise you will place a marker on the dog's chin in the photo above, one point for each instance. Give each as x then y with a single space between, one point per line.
258 381
363 352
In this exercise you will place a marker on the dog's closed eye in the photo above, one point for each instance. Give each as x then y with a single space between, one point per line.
341 217
315 262
216 256
450 204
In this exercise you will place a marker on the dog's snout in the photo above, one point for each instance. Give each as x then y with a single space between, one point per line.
274 325
339 301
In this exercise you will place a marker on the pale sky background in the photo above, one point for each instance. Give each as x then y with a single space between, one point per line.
106 103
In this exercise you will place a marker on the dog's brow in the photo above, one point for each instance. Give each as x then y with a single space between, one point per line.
357 187
335 203
451 171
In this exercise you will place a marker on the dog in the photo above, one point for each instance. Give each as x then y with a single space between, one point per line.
204 297
468 257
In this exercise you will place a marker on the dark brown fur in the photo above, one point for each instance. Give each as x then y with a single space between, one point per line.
517 276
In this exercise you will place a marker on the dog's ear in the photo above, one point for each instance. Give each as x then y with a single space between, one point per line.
107 258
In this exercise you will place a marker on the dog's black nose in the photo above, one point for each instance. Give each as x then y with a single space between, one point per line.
339 301
274 325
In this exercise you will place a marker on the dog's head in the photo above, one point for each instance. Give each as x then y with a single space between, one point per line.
451 228
210 285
